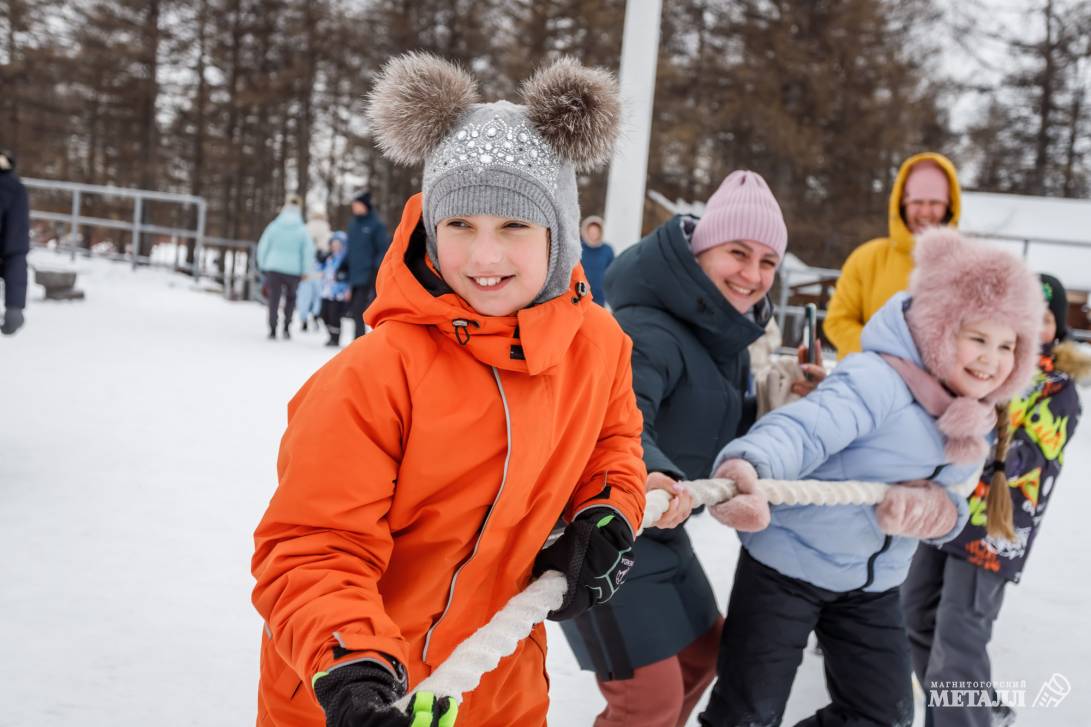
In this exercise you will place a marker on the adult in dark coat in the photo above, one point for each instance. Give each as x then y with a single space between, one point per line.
693 297
368 241
14 243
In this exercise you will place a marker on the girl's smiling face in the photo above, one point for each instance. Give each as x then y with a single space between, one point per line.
496 264
984 358
743 270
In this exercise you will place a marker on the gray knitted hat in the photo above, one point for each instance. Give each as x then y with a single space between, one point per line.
499 158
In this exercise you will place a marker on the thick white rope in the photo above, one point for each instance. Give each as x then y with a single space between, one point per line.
482 651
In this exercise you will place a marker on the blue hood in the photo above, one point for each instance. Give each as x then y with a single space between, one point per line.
888 332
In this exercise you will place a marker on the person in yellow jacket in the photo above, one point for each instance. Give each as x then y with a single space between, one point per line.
925 194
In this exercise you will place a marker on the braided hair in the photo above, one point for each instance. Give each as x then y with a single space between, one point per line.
998 506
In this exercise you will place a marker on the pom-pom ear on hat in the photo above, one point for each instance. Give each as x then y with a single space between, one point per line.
576 110
416 101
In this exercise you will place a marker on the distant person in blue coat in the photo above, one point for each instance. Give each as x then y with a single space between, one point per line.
597 256
14 244
368 241
916 407
285 253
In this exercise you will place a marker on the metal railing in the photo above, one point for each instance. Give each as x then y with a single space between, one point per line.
237 273
137 226
821 276
803 277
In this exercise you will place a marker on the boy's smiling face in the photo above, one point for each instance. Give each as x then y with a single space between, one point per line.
496 264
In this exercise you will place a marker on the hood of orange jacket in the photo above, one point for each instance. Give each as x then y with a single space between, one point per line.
422 470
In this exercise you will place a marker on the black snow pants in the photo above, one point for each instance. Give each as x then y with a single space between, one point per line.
332 313
769 619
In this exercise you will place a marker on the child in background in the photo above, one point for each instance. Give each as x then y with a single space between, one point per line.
335 287
916 407
596 256
424 467
953 593
309 298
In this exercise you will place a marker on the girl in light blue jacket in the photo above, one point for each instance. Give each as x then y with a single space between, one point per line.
916 408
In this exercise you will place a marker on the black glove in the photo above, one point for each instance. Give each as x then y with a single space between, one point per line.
363 695
13 321
595 555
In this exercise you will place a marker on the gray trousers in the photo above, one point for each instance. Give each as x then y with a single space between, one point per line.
950 607
277 282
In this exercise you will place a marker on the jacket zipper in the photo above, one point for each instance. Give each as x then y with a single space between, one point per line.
888 540
485 524
871 561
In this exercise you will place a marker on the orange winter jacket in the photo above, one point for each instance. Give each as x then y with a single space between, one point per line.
420 474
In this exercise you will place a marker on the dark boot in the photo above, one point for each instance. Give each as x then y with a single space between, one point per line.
272 333
304 328
286 334
335 339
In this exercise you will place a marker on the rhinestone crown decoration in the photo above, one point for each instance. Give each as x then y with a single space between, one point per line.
496 143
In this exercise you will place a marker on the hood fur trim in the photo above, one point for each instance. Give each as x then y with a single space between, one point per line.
1074 359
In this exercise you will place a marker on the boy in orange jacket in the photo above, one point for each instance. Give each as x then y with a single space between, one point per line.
424 467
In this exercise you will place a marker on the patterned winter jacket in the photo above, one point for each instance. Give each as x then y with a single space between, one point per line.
1043 421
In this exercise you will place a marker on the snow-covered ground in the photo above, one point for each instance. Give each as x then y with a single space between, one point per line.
138 436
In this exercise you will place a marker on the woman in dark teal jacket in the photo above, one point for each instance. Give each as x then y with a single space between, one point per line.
693 296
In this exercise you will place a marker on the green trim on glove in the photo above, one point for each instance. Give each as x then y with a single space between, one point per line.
422 711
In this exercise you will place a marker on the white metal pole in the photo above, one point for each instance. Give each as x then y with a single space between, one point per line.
138 215
629 169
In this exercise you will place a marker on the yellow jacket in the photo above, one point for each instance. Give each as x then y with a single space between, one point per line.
880 268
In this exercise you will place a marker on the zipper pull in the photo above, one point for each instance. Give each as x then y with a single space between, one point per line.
462 329
581 291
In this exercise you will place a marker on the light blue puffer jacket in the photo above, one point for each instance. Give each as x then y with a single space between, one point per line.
861 423
285 247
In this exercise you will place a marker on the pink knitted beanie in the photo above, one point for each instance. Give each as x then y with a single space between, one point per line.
958 280
742 208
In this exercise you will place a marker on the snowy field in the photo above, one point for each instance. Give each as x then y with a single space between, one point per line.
138 436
